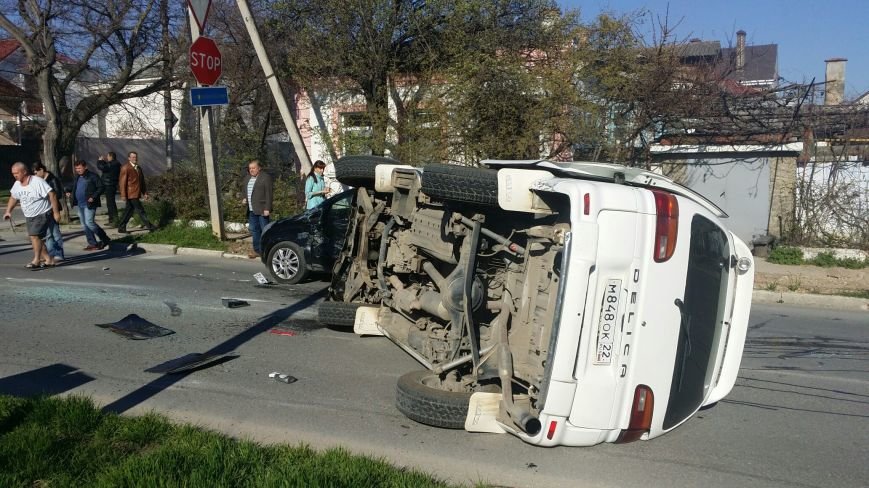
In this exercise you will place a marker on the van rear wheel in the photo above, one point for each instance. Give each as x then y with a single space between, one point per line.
419 399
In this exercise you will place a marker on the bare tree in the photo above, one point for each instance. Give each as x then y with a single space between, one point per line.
87 56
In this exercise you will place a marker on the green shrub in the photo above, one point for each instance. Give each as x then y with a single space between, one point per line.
185 191
828 260
786 255
825 260
853 263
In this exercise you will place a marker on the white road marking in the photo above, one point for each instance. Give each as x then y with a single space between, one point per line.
75 283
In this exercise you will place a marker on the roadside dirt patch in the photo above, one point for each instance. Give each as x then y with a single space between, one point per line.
810 279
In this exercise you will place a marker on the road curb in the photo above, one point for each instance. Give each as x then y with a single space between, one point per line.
833 302
192 251
157 248
230 255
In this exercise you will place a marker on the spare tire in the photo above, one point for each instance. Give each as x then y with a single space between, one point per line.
359 170
429 405
461 183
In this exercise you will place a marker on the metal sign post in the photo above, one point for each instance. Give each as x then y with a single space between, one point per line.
215 203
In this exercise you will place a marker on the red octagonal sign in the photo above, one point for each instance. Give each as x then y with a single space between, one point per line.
205 61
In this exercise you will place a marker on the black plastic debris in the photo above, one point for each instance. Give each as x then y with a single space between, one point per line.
191 362
234 303
134 327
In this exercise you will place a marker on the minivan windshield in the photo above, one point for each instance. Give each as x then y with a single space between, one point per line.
701 314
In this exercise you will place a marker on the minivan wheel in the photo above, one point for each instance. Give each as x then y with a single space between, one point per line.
461 183
286 262
339 314
419 400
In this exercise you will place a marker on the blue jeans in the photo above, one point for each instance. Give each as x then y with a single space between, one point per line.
257 223
91 229
54 240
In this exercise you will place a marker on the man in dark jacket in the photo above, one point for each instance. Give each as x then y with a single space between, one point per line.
86 199
111 170
257 187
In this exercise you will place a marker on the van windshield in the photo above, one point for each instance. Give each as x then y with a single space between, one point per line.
701 313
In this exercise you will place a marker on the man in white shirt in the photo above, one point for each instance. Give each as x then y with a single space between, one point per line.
40 208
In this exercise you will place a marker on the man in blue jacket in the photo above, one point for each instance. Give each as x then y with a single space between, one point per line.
86 199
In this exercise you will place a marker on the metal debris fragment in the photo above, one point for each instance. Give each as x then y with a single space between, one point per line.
234 303
283 378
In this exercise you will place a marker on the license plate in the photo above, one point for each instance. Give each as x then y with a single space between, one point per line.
606 329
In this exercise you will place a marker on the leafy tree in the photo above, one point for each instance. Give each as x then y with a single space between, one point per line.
410 51
87 56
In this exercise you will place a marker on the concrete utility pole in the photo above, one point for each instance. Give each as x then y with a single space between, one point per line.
215 200
168 116
287 116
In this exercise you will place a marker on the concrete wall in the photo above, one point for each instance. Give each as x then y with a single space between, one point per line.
755 187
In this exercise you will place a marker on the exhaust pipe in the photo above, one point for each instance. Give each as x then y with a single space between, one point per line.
521 417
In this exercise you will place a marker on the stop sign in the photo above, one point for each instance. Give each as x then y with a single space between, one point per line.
205 61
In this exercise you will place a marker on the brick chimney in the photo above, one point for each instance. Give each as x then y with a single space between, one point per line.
740 50
834 86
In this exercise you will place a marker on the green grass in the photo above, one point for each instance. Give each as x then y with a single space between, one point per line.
794 256
179 235
855 293
4 196
68 442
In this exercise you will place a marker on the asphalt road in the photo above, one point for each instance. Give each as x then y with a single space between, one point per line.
799 415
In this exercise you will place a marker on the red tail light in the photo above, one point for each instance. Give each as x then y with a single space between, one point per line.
641 415
667 225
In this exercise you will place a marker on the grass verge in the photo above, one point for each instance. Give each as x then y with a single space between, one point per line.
855 293
179 235
794 256
68 442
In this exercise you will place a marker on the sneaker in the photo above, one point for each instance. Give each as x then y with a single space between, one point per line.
103 245
92 248
122 230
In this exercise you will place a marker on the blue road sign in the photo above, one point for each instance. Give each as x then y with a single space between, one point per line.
201 96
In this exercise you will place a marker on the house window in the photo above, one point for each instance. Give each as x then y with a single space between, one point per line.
356 133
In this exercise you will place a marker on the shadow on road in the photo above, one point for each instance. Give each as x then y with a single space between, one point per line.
24 245
163 382
48 380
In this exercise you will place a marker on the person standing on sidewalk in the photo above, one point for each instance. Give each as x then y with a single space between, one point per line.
86 199
39 205
56 248
316 190
258 189
132 185
110 168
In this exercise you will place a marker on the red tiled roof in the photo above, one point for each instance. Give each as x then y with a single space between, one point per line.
7 47
9 90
